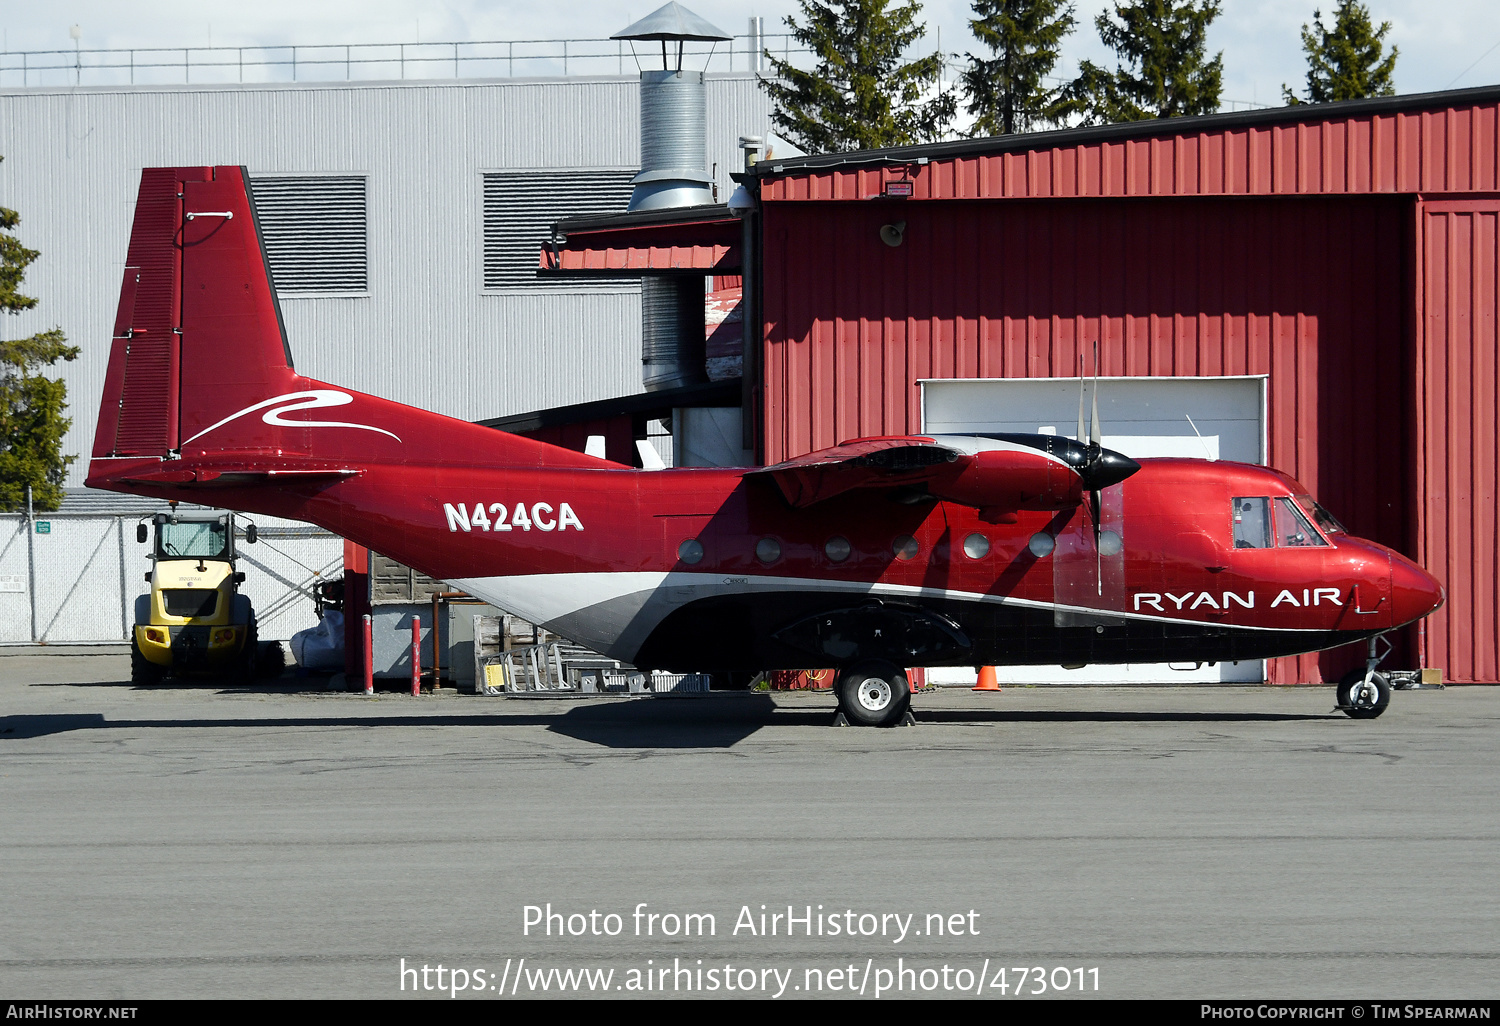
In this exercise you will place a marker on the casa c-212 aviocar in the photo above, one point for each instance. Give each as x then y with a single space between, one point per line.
877 554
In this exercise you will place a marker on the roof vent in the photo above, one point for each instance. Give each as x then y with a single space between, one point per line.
673 103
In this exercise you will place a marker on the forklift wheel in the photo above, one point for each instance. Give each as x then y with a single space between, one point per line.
245 669
143 672
272 660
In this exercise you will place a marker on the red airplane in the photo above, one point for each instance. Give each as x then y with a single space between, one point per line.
878 554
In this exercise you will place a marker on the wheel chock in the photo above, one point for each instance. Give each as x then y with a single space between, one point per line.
907 720
840 720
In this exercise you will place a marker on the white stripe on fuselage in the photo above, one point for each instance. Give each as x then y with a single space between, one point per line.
638 601
972 445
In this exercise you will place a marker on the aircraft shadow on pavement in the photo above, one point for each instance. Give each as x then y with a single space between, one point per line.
717 722
637 724
19 727
283 686
721 722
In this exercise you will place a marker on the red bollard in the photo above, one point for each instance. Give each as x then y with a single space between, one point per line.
369 656
416 657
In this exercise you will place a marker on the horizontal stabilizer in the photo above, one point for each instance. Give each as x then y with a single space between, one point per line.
197 475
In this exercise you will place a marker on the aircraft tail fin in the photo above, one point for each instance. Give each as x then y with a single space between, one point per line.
200 381
198 331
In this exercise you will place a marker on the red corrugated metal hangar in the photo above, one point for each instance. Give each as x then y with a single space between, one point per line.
1337 264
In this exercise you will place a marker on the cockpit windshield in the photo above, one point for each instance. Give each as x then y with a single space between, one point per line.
1324 519
193 540
1264 522
1292 528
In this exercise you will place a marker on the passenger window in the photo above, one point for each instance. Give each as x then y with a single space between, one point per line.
1292 527
1252 523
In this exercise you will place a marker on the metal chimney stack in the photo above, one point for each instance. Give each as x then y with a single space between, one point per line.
673 154
673 142
757 43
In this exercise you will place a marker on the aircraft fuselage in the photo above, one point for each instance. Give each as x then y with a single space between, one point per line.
701 569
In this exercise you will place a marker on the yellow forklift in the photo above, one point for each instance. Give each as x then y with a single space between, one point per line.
194 619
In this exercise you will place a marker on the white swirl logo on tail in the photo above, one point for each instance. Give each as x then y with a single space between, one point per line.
315 399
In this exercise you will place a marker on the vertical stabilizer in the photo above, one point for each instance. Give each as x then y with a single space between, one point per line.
200 390
198 330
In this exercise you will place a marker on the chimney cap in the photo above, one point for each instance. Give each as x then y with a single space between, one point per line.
673 21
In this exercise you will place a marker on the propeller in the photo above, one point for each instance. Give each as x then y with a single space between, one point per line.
1100 467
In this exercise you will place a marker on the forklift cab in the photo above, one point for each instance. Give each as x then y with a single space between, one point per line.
193 618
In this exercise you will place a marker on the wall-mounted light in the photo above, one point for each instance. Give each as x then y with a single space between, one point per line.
891 234
741 202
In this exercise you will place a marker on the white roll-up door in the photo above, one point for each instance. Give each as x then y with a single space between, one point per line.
1212 418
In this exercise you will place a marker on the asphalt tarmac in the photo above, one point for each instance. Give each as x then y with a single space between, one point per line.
285 841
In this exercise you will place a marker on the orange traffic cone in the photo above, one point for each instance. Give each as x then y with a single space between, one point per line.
987 681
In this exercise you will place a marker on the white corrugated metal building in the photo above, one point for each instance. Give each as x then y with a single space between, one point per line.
403 221
427 201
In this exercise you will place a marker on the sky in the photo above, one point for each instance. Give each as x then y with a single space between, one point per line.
1443 43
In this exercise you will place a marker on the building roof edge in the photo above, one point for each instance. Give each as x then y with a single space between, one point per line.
1155 127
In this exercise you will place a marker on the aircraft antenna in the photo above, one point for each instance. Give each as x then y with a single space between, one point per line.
1207 454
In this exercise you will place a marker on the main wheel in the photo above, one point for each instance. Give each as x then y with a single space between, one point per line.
248 664
143 672
1360 700
874 694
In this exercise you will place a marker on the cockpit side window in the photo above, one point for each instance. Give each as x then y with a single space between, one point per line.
1252 522
1292 527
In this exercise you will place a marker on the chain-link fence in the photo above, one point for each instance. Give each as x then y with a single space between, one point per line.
73 578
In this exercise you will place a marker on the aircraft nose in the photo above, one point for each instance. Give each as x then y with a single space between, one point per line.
1414 592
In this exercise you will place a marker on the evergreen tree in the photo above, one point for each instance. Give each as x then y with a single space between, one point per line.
31 405
1007 93
1347 61
861 94
1163 71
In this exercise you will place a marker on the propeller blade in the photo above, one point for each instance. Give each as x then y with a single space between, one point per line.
1095 499
1081 369
1094 432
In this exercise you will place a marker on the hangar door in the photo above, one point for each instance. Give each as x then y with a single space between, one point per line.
1459 475
1212 418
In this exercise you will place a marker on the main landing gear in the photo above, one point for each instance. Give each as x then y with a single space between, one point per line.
1364 694
873 693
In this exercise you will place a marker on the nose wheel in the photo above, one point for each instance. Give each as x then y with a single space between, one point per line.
873 694
1363 694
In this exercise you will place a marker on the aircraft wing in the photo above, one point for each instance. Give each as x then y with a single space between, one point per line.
862 463
997 475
